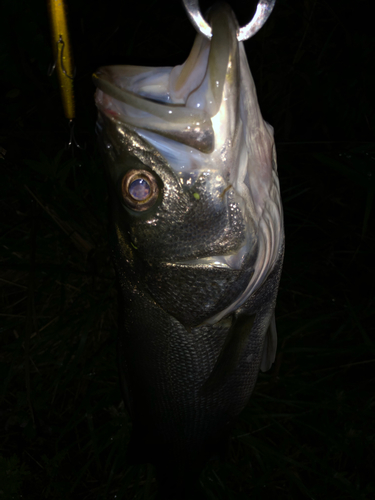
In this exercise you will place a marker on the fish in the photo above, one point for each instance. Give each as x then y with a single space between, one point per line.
197 241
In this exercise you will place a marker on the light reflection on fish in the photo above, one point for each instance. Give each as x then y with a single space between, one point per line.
198 245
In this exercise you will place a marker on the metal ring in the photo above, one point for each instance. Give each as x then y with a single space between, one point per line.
262 13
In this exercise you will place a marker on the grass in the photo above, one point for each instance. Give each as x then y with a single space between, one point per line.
308 431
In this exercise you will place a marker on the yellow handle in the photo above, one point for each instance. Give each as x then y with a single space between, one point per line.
62 54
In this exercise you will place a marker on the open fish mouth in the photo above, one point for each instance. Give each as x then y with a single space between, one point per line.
178 103
189 112
203 118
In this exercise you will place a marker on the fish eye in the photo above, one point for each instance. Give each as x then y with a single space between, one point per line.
139 190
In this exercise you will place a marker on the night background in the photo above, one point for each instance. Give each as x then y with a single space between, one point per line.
308 431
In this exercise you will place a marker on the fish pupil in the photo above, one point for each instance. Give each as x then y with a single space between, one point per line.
139 189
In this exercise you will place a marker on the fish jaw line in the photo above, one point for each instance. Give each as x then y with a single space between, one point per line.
230 262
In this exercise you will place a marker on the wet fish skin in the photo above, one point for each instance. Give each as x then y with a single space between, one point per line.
198 270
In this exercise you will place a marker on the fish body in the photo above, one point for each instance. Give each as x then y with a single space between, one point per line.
198 242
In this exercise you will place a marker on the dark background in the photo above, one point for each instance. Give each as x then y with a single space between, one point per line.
308 431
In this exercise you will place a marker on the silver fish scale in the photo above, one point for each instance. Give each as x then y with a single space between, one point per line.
197 230
170 363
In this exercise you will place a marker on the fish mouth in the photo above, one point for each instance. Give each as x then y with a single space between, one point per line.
171 120
177 103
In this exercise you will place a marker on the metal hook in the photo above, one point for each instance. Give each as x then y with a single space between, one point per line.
72 140
52 67
262 13
62 60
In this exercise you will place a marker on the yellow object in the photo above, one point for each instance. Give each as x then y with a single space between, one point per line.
62 54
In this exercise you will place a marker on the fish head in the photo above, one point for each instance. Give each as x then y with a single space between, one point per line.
192 166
